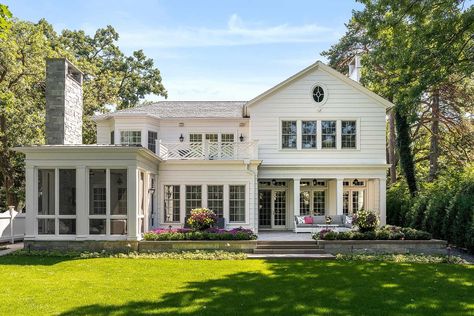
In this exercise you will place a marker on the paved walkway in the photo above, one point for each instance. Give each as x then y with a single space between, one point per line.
11 248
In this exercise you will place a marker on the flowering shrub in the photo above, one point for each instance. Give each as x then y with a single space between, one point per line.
365 220
202 219
208 234
383 233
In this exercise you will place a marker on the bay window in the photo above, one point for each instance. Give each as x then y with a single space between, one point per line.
133 138
152 137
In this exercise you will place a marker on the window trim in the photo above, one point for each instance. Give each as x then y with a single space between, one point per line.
326 94
128 131
281 134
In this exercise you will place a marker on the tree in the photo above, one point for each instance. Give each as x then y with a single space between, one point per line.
111 79
5 22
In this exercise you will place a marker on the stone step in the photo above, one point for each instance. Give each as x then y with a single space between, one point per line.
278 246
310 256
289 242
287 251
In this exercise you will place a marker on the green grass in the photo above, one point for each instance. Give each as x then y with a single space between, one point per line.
114 286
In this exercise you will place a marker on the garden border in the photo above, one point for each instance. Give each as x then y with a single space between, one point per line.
432 246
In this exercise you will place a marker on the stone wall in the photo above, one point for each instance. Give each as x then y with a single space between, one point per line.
432 247
63 103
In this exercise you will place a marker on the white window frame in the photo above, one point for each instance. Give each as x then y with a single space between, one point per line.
128 137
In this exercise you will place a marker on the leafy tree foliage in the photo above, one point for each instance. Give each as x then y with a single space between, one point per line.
5 23
112 78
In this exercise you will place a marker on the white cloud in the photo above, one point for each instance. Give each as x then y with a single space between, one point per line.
237 32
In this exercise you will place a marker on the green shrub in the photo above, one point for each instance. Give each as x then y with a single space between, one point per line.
463 202
202 219
470 236
398 203
387 232
417 212
344 235
414 234
365 220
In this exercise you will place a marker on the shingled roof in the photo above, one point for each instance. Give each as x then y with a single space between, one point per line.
184 109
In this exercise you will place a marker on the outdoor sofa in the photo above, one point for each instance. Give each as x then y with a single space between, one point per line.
308 223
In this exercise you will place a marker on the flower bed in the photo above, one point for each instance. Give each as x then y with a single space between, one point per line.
208 234
384 233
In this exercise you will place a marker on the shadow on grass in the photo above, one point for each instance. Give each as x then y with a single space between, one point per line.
33 260
314 288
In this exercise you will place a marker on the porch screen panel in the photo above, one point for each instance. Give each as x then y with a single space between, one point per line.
328 134
193 198
97 192
319 202
215 199
172 203
305 202
118 192
67 192
46 191
288 134
237 203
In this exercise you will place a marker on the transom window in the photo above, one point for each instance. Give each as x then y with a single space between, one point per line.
215 199
193 198
195 138
308 132
318 94
227 138
348 134
328 134
131 138
288 134
172 203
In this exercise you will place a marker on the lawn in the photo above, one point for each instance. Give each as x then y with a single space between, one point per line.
114 286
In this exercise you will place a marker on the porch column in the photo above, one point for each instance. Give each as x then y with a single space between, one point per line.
296 196
339 195
31 202
132 203
382 201
81 198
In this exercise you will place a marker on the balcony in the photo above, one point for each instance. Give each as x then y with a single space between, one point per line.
207 150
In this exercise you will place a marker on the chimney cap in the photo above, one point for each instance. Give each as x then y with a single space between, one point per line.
69 63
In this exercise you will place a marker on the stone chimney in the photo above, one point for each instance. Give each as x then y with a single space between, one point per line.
63 102
354 68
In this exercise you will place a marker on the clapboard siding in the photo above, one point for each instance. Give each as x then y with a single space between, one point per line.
294 101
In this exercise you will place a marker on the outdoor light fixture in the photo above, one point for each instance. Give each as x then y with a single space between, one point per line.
315 181
151 190
274 182
355 182
241 137
181 138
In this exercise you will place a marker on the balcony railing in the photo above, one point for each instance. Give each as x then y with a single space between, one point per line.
207 150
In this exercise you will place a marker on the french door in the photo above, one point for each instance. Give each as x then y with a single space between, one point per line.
272 208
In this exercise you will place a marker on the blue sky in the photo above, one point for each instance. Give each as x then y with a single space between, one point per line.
208 50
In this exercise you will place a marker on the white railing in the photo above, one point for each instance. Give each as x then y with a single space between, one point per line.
12 225
207 150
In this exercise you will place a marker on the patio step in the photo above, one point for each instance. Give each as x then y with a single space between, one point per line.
288 246
288 251
288 242
309 256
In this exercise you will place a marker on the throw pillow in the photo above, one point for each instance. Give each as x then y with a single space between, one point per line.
300 219
308 220
348 221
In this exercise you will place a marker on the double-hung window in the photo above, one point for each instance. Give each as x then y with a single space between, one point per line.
152 137
193 198
308 134
328 134
172 203
288 134
133 138
348 134
215 199
236 203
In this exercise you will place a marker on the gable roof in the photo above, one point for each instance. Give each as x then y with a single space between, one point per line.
320 65
183 109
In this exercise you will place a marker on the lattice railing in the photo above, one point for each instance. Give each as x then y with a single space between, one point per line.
207 150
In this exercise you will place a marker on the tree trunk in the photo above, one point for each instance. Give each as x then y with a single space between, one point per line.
391 147
404 150
434 145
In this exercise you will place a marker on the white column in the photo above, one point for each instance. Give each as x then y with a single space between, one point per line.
298 134
81 202
296 196
339 195
204 196
338 135
132 203
31 203
382 201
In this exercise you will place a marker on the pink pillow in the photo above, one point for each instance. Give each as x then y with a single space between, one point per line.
308 220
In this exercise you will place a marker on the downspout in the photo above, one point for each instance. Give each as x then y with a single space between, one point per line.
255 179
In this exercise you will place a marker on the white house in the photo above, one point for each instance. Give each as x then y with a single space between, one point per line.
313 144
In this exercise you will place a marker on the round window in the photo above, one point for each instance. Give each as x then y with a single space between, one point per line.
318 94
